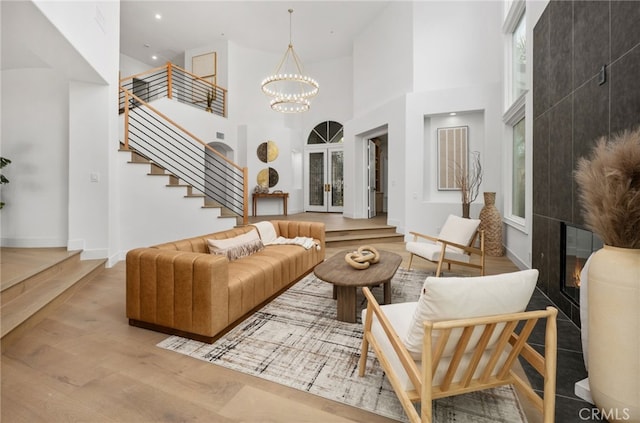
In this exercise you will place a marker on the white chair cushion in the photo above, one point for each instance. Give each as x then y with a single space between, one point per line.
431 251
459 230
448 298
400 316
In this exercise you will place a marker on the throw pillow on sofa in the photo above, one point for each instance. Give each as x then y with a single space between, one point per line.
236 247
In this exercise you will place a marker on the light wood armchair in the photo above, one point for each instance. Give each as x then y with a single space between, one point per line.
457 242
485 349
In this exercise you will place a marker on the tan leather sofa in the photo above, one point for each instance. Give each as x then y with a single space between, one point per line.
180 288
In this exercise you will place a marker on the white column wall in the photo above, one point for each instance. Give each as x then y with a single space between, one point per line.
89 169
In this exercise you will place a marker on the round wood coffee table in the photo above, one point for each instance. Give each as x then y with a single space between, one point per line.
346 280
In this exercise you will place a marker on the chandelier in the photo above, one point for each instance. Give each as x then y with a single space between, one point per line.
290 88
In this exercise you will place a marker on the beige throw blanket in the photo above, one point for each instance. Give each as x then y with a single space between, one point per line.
268 236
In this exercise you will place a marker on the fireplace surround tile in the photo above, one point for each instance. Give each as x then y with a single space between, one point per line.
541 65
560 159
541 165
560 50
625 86
625 27
590 39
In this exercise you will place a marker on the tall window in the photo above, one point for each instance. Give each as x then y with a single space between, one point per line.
515 89
518 59
518 189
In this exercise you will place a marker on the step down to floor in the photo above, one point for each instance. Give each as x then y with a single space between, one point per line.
362 236
26 301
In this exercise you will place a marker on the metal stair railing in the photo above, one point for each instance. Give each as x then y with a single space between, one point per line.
172 81
156 137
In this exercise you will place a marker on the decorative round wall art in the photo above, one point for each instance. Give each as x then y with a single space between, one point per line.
268 177
267 151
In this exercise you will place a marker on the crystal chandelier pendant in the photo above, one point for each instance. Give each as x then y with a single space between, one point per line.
290 88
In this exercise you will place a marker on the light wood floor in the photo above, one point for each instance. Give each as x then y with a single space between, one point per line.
85 363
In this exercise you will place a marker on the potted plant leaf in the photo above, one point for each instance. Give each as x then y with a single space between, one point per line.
609 193
3 179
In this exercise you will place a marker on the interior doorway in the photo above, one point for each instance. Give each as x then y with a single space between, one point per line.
377 170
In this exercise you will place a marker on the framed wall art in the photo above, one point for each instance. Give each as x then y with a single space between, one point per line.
453 156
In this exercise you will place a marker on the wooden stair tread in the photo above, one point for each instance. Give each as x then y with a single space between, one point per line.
329 238
29 303
54 255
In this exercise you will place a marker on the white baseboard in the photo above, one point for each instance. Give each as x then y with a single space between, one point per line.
33 242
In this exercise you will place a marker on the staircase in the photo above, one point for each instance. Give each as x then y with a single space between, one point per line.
362 236
174 182
36 281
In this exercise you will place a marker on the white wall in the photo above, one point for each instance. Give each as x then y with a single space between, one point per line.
92 28
456 44
130 66
221 48
334 101
34 137
389 118
144 216
455 57
77 121
478 107
383 57
198 122
285 139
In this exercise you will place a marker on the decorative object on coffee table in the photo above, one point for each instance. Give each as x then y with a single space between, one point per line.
491 223
363 257
609 189
346 280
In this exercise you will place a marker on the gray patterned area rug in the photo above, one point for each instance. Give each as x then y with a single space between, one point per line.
296 341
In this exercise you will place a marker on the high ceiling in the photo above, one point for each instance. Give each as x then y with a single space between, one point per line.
320 29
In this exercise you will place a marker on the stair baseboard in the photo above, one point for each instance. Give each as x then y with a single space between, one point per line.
352 237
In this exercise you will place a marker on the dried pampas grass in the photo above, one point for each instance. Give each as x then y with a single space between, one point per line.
609 189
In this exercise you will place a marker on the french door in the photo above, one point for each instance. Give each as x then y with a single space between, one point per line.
323 180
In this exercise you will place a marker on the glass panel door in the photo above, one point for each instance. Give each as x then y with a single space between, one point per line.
335 184
316 183
324 186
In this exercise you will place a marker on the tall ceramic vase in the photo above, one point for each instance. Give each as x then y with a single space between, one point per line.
614 332
491 223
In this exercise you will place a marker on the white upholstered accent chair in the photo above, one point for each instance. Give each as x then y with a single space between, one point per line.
462 335
455 244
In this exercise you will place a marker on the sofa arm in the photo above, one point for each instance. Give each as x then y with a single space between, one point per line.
294 228
177 289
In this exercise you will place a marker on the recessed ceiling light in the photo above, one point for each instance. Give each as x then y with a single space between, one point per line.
154 57
452 114
147 45
158 16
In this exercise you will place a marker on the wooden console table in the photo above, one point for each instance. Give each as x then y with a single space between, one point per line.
283 195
